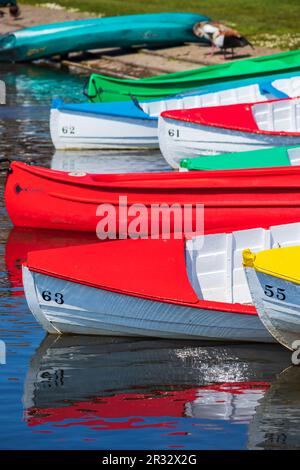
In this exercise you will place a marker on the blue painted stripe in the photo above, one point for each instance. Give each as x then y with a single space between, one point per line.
268 88
128 109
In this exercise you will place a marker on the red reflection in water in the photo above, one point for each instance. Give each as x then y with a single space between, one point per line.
227 401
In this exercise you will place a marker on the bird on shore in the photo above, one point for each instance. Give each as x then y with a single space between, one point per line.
220 36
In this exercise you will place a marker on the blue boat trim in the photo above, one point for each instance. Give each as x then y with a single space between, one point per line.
268 88
123 109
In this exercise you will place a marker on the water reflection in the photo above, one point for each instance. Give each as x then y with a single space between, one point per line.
276 421
110 383
32 84
109 161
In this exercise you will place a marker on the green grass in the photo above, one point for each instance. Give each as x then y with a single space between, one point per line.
274 23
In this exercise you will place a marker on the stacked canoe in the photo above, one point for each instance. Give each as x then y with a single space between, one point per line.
109 89
161 29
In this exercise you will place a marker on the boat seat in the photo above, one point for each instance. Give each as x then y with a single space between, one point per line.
277 116
214 262
289 86
245 94
268 89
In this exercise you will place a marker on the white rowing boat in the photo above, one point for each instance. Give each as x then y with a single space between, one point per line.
228 129
134 125
158 288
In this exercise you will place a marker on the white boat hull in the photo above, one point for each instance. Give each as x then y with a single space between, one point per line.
180 139
280 312
87 310
82 130
73 129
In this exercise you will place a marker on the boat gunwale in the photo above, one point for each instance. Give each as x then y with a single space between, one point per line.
169 180
247 107
220 307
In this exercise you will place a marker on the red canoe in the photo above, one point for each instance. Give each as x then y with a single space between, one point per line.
233 199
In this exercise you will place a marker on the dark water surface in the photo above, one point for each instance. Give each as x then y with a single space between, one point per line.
108 393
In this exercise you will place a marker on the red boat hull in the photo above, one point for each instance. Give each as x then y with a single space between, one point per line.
233 200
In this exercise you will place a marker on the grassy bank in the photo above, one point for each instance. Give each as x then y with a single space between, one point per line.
274 23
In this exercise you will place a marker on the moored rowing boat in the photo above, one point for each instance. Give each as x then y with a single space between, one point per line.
274 282
225 129
159 288
134 125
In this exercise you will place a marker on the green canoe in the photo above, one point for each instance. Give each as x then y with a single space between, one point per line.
265 158
102 88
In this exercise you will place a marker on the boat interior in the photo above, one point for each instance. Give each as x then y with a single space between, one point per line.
282 88
294 156
278 116
214 262
289 86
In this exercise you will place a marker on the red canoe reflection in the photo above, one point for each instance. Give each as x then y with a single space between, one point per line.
227 401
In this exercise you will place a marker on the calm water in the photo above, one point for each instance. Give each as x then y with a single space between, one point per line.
108 393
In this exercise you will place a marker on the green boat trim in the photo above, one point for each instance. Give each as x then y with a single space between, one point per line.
264 158
102 88
244 67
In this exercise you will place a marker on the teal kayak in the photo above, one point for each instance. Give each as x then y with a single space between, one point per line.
265 158
102 88
161 29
